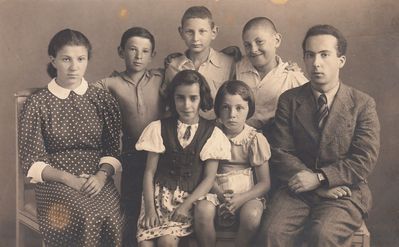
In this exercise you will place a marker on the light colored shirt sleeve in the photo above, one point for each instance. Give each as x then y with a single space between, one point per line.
151 139
35 172
114 162
259 150
217 147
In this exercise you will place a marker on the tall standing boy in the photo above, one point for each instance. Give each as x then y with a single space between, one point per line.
132 89
198 30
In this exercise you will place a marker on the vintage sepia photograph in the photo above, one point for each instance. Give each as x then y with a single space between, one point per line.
193 123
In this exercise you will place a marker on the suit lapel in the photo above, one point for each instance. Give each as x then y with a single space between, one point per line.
339 115
306 112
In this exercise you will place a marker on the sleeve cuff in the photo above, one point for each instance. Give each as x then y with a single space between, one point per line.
332 176
114 162
35 172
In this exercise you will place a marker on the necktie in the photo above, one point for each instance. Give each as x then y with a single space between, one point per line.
322 111
187 134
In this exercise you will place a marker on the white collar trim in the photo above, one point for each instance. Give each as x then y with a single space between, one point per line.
63 93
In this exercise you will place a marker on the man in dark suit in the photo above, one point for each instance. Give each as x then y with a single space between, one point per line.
324 145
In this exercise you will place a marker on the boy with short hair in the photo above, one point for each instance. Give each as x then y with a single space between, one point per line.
198 31
264 71
130 88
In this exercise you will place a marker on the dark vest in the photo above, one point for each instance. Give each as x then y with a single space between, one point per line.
178 166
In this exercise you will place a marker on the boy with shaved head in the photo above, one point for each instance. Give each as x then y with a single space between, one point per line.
264 71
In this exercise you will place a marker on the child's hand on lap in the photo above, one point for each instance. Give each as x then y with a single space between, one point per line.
181 214
150 220
234 201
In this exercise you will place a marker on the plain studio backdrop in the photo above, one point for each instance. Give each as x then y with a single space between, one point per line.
371 27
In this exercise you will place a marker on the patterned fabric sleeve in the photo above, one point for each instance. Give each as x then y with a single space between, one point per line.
30 139
217 147
151 139
259 150
111 129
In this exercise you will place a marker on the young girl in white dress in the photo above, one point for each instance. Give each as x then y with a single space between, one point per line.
235 191
183 155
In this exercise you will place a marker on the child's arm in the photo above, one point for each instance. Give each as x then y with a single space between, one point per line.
218 191
204 186
334 193
151 218
235 201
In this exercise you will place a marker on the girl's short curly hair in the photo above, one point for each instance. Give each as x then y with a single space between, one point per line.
189 77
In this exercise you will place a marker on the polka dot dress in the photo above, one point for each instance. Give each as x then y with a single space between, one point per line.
72 134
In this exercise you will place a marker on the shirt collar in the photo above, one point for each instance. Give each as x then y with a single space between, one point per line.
180 124
126 78
330 94
213 58
247 66
63 93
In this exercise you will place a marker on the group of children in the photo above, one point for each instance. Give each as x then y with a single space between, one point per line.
183 170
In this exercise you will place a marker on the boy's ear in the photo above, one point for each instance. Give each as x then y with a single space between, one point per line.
120 52
180 30
153 54
278 38
342 61
215 31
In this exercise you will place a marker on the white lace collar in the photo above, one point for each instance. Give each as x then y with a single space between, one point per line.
245 135
63 93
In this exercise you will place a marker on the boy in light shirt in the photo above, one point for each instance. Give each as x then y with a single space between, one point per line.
198 30
264 71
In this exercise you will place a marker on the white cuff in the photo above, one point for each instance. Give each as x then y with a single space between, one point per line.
115 163
35 172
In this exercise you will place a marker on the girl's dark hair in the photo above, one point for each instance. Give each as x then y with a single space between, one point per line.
235 87
63 38
189 77
137 32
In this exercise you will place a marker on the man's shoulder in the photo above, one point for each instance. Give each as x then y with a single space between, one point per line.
296 91
357 96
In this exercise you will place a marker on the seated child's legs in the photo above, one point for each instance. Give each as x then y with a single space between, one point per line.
204 214
168 241
250 216
147 243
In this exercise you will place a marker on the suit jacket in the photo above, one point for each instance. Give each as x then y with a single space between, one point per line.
346 150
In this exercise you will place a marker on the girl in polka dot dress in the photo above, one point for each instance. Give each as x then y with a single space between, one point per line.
69 140
183 153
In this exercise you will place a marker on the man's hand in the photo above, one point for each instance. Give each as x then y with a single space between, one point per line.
303 181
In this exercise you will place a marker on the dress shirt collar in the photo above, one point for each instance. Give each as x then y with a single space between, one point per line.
213 58
63 93
148 74
247 66
330 94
